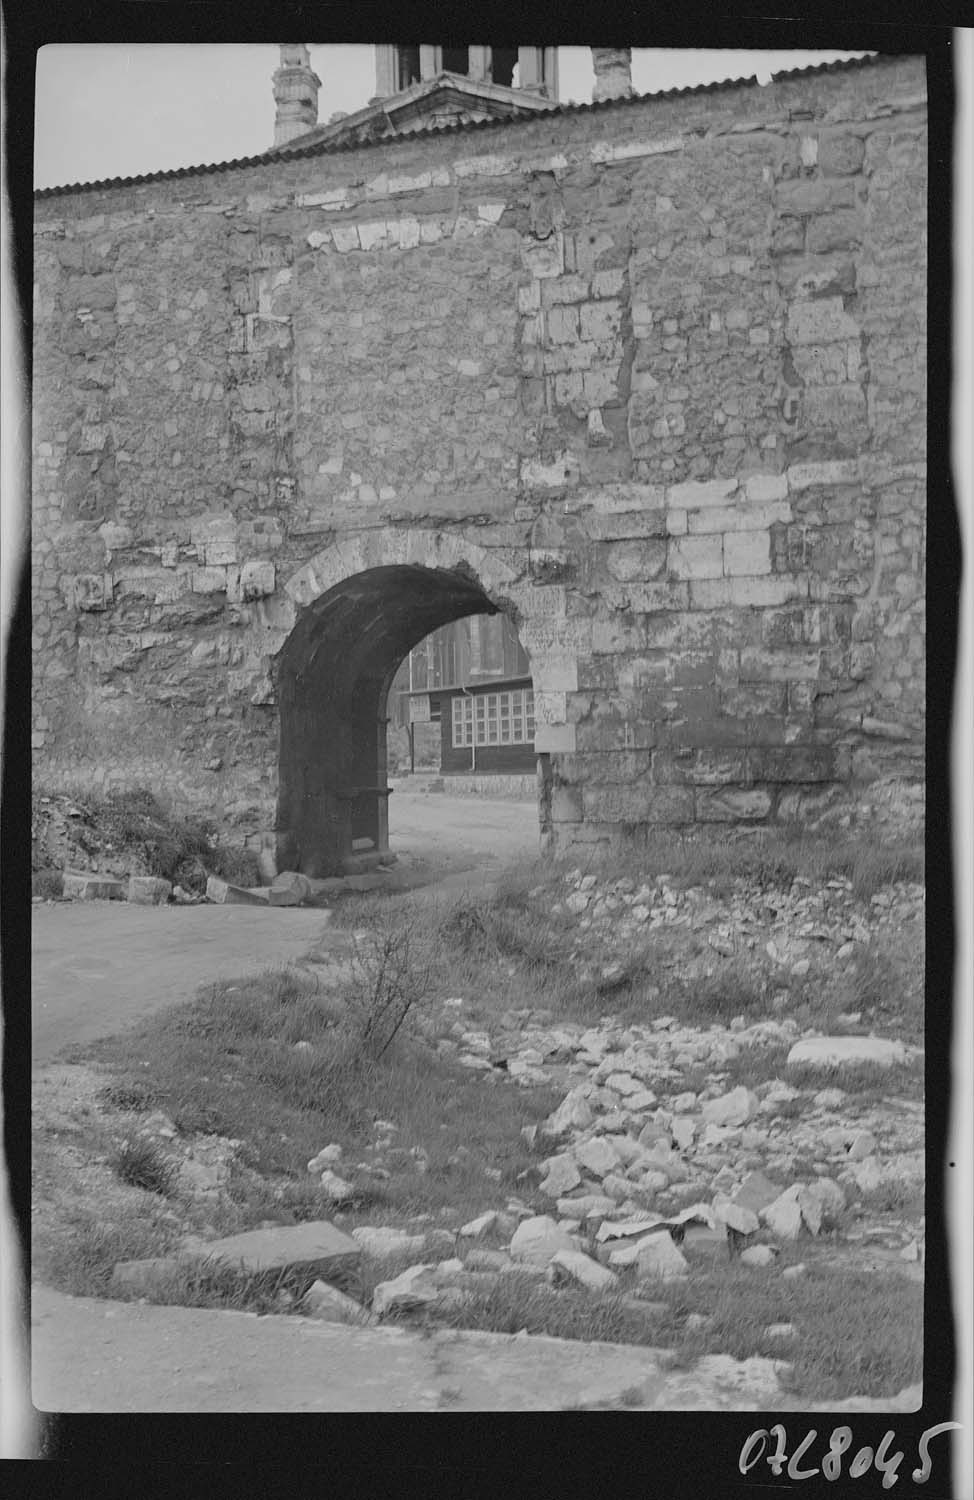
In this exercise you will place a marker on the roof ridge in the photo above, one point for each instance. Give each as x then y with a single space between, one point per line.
519 117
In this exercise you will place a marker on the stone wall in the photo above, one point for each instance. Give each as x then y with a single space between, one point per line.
651 373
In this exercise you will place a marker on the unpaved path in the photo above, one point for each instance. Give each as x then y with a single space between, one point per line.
91 1356
102 965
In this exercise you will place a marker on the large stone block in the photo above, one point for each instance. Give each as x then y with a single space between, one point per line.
820 321
638 804
747 553
83 886
733 805
696 557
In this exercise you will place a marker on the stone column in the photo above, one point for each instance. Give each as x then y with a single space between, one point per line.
612 73
477 68
296 88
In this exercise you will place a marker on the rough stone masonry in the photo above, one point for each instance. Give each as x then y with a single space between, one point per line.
649 375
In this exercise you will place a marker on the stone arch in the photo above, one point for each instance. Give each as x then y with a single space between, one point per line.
352 614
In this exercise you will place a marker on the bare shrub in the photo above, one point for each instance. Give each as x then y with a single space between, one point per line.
391 967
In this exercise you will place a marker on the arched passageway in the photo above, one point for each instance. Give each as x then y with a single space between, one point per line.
334 675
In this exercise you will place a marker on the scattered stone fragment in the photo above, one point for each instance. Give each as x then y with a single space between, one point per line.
597 1156
731 1109
561 1176
587 1206
328 1156
845 1051
224 894
336 1189
573 1113
757 1255
656 1255
683 1129
862 1146
537 1239
756 1192
479 1226
829 1098
415 1287
382 1243
581 1268
735 1216
330 1305
792 1273
784 1216
289 889
780 1331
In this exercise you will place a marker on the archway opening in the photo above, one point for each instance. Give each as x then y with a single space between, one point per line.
334 678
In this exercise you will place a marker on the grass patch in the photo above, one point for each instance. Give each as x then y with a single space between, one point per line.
183 849
140 1164
854 1334
515 1302
47 884
229 1059
82 1258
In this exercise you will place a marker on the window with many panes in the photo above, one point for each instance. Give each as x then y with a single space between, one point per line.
494 718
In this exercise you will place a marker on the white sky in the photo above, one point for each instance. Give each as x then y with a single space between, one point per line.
120 111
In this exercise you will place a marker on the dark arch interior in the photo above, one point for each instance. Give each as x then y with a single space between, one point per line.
333 683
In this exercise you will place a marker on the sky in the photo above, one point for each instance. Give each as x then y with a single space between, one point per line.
120 111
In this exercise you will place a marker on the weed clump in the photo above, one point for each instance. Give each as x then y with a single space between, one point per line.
48 884
391 975
142 1165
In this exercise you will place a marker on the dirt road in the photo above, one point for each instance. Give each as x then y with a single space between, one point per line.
98 966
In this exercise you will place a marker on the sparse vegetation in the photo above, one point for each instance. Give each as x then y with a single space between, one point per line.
48 884
284 1066
134 825
141 1164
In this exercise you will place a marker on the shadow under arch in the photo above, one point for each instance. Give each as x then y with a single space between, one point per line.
334 673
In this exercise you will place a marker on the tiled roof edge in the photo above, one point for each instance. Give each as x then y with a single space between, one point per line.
324 148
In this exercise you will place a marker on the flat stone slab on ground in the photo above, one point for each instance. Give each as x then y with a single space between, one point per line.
317 1246
836 1051
223 894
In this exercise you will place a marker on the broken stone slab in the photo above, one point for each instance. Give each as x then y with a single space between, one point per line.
784 1216
734 1108
317 1248
736 1216
329 1305
538 1239
384 1243
819 1200
845 1051
336 1189
756 1192
576 1266
561 1176
573 1113
148 890
415 1287
483 1224
80 885
758 1255
597 1156
632 1229
656 1255
588 1206
328 1156
289 889
223 894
